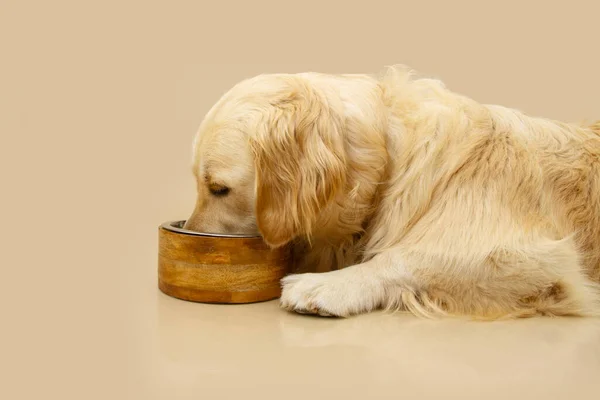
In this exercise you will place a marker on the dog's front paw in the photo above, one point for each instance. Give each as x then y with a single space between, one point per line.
331 294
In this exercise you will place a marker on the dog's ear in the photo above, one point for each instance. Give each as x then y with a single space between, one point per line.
300 163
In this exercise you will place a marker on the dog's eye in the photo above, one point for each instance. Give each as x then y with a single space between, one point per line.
218 190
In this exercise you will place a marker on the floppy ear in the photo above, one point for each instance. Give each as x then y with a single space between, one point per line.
300 163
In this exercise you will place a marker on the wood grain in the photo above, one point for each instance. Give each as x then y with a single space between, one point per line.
220 270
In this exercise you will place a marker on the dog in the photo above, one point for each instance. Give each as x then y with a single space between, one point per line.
397 193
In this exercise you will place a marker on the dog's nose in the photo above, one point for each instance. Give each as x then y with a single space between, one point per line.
194 221
189 225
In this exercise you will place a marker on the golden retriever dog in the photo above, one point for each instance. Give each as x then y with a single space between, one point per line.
400 194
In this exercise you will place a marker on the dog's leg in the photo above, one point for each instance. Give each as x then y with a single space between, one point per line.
542 279
353 290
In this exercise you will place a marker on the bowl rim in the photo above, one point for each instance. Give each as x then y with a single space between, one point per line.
176 226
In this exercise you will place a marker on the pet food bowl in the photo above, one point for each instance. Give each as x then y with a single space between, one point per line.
218 268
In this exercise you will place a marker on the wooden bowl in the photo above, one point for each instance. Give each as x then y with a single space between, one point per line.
218 268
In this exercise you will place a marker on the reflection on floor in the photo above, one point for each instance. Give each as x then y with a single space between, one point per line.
258 350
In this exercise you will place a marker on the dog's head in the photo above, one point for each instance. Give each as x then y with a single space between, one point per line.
268 158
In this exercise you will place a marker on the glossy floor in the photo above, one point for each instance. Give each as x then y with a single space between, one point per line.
260 351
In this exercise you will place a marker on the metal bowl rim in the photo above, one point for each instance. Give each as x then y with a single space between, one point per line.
175 226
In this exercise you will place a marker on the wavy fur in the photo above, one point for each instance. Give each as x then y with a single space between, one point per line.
437 204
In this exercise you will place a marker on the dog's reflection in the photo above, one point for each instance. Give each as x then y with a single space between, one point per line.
258 338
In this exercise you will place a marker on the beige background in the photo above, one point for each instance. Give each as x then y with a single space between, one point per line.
99 101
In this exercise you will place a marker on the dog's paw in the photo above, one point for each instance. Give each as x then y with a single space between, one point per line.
331 294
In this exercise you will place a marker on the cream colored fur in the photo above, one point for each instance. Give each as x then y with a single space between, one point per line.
436 204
